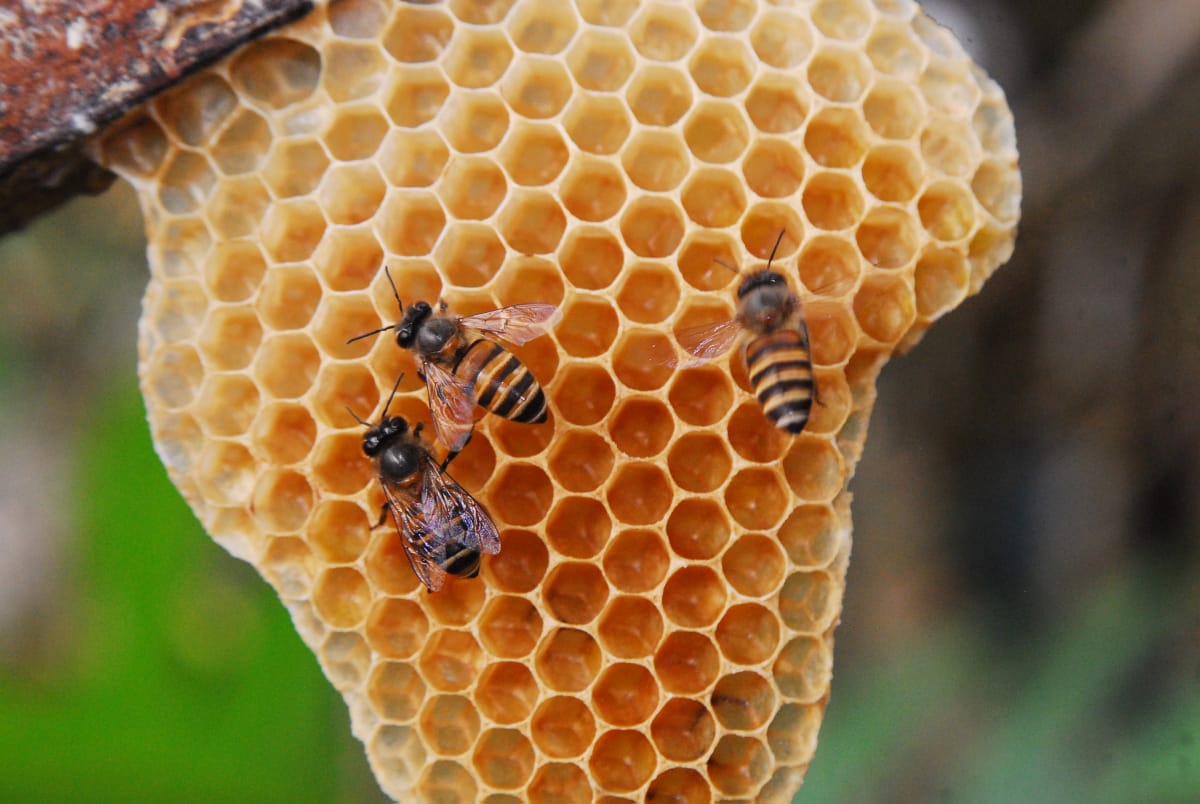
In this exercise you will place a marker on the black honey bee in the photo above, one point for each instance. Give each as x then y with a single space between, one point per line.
464 363
442 528
775 350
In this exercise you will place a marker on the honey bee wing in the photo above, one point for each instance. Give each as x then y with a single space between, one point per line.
443 501
517 324
415 537
700 344
451 406
816 391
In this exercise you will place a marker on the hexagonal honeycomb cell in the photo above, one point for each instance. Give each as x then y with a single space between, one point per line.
659 621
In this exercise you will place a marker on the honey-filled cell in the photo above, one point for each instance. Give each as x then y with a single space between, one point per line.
683 729
748 633
739 765
685 785
625 694
510 627
521 564
396 690
568 660
743 701
630 627
698 528
694 597
622 760
445 779
559 782
578 527
506 692
563 727
636 560
504 758
450 724
581 460
575 592
687 663
450 660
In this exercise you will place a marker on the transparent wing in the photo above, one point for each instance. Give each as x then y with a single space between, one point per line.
700 344
816 391
415 536
451 406
443 502
517 324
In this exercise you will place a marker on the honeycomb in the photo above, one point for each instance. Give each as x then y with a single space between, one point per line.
659 622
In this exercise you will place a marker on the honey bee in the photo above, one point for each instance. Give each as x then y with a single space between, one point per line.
464 363
775 350
442 528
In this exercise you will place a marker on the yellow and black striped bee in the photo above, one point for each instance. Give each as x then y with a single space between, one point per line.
443 529
776 348
464 363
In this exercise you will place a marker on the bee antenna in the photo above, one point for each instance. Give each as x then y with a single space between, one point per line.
726 265
357 418
372 332
387 272
775 248
391 396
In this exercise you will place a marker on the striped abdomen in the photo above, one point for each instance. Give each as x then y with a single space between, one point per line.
448 550
459 559
502 384
780 369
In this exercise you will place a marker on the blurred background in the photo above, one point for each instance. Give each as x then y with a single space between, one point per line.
1022 617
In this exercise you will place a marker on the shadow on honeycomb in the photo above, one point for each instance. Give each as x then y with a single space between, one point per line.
660 619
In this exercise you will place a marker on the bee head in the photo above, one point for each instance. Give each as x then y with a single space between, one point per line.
766 277
377 439
765 301
410 324
760 279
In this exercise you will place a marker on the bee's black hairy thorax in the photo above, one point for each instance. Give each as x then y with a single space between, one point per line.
766 302
423 332
400 459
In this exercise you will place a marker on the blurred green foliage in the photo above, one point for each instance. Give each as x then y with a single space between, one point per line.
1090 710
181 678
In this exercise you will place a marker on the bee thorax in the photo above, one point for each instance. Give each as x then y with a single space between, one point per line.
433 335
768 308
399 461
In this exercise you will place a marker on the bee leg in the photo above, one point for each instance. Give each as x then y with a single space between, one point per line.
383 512
452 454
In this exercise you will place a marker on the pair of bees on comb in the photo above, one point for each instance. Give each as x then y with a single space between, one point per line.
464 362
